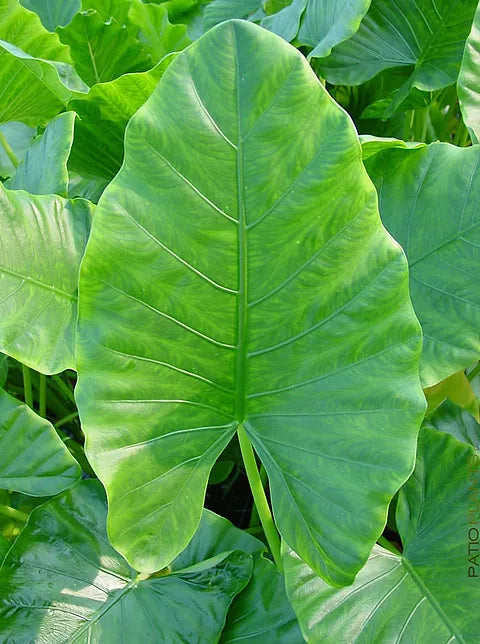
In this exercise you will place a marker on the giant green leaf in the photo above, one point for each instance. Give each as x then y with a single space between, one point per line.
104 112
232 280
285 23
102 51
44 169
33 459
220 10
428 594
427 36
326 24
428 200
63 582
42 243
468 85
53 13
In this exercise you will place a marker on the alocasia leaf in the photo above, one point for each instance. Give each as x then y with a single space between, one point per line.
286 22
53 13
428 200
19 137
44 169
427 594
102 51
232 279
104 112
326 24
42 242
157 35
468 86
373 144
33 459
426 35
62 582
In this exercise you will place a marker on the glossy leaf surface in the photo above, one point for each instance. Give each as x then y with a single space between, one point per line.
468 84
44 169
326 24
33 459
428 36
53 13
425 595
62 582
43 240
102 51
234 270
428 200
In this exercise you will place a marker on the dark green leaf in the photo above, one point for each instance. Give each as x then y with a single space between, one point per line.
62 582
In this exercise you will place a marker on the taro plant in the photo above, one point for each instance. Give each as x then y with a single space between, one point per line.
239 321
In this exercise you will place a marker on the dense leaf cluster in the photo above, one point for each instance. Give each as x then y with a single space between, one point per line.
239 268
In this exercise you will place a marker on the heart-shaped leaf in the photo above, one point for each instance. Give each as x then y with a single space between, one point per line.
233 280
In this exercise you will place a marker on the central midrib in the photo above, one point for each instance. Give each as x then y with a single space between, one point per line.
242 296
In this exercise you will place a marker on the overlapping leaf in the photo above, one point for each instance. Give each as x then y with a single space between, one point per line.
427 36
62 581
42 243
253 276
53 13
429 593
428 200
33 459
44 169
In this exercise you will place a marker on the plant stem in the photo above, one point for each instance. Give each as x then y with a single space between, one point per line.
407 124
12 513
66 419
27 386
42 401
10 153
254 518
63 388
259 496
473 372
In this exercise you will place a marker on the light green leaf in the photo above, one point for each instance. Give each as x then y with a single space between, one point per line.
87 187
326 24
33 459
373 144
43 239
428 36
428 200
44 169
104 112
426 595
62 570
468 85
102 51
53 13
220 10
19 137
157 35
253 277
286 22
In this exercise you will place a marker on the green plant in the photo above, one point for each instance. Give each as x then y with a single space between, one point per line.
193 229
